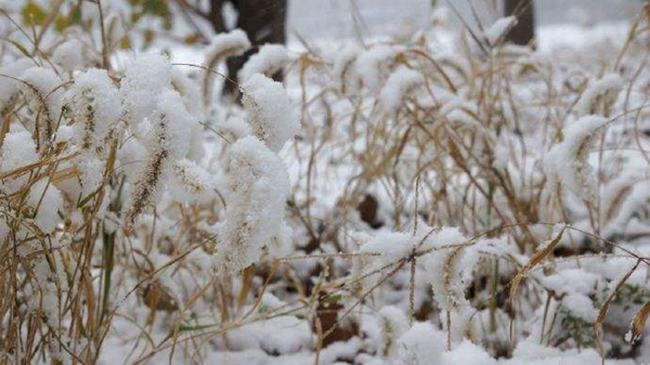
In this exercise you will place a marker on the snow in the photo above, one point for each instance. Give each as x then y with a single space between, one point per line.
499 29
256 235
373 64
271 115
567 161
571 281
393 324
144 78
173 121
44 86
610 83
43 194
165 141
422 344
580 306
9 84
222 46
467 353
18 149
344 67
189 90
69 55
225 45
270 59
190 181
391 245
235 125
95 104
531 353
399 84
254 225
281 335
341 351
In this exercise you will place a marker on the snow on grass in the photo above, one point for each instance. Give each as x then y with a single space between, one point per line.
271 114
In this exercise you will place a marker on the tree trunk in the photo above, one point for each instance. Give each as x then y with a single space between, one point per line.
214 16
264 22
524 32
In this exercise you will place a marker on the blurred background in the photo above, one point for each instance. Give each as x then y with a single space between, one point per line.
313 19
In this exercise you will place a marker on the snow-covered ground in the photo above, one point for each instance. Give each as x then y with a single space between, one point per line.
314 19
442 202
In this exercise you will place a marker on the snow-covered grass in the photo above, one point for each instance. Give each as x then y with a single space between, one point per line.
426 201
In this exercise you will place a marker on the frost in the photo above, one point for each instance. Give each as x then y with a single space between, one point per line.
499 29
630 337
270 59
271 115
399 84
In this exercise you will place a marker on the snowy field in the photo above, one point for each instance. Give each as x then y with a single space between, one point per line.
314 19
409 195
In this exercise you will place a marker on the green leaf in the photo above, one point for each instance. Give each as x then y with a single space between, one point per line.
198 327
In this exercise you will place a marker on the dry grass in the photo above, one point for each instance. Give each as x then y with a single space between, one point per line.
475 164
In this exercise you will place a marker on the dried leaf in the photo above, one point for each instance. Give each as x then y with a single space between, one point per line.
156 297
536 259
638 324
